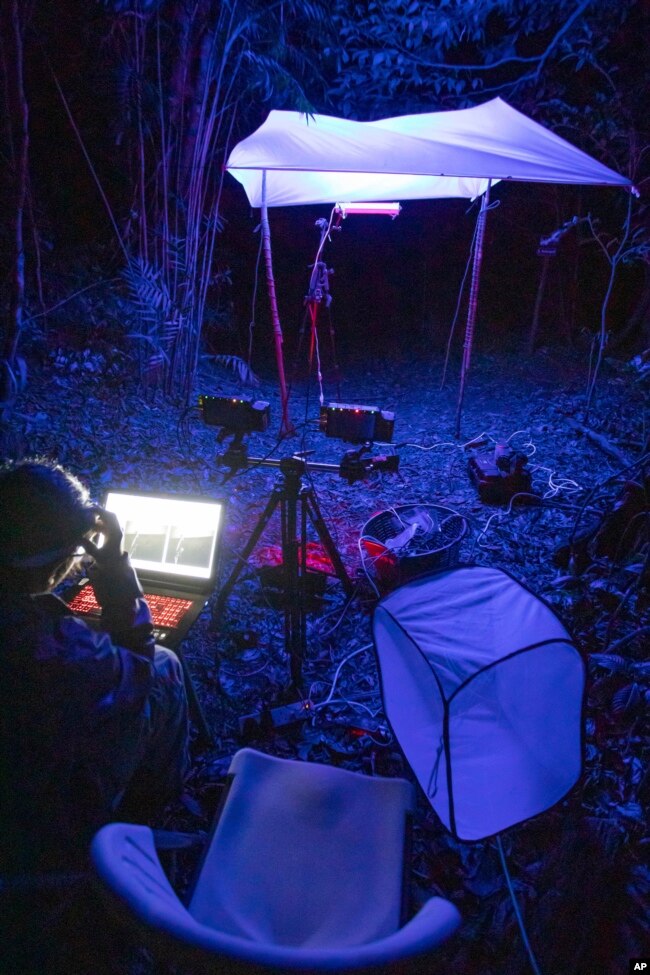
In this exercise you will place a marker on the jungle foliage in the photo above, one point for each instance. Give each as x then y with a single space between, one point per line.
156 92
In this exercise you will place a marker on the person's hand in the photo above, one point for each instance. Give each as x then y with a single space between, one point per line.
106 524
112 575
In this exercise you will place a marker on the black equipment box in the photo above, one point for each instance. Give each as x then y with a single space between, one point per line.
356 424
499 478
236 414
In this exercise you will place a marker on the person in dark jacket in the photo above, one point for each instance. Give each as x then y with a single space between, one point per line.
93 722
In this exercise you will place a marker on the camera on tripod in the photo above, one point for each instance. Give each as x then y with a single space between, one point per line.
356 424
236 414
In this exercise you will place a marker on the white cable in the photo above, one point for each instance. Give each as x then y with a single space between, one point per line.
319 375
566 484
519 494
448 443
513 435
480 437
386 552
346 700
433 446
363 565
326 236
329 697
485 528
393 511
341 616
528 443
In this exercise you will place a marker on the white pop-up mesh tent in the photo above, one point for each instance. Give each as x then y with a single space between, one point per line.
295 159
483 689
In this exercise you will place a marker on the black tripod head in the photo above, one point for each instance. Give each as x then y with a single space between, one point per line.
235 456
356 465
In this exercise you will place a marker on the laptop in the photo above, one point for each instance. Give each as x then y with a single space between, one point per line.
174 544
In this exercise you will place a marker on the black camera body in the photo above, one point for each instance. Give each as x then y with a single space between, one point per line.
236 414
356 424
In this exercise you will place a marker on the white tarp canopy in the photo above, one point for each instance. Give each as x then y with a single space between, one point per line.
320 159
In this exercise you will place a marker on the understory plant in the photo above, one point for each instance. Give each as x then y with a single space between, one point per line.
188 75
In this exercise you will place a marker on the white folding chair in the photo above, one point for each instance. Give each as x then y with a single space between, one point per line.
304 871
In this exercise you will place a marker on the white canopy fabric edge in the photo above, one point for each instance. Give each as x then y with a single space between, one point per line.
322 159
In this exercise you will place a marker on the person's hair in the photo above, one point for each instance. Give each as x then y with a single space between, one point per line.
44 513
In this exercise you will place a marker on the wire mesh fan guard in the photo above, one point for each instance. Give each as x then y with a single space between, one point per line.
436 549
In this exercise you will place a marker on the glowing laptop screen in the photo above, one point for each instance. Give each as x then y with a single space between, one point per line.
173 536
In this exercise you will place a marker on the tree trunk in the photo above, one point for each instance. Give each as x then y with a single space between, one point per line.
574 276
541 287
200 79
614 261
286 426
473 304
18 123
638 325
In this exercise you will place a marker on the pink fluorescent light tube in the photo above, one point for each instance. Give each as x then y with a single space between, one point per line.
376 209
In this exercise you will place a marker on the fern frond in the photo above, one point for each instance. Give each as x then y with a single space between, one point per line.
148 289
236 364
172 326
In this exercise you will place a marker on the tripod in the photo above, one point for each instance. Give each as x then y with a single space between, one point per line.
298 505
319 295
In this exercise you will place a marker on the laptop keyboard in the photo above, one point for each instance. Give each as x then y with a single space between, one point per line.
166 611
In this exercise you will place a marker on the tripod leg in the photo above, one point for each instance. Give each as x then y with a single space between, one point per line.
296 357
327 541
204 739
313 315
302 619
263 521
337 371
293 588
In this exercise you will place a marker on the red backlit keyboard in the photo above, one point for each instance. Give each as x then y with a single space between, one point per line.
166 611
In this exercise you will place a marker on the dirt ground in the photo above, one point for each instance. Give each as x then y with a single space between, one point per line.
578 869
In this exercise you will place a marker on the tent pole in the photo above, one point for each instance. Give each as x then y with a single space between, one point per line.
286 426
473 303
